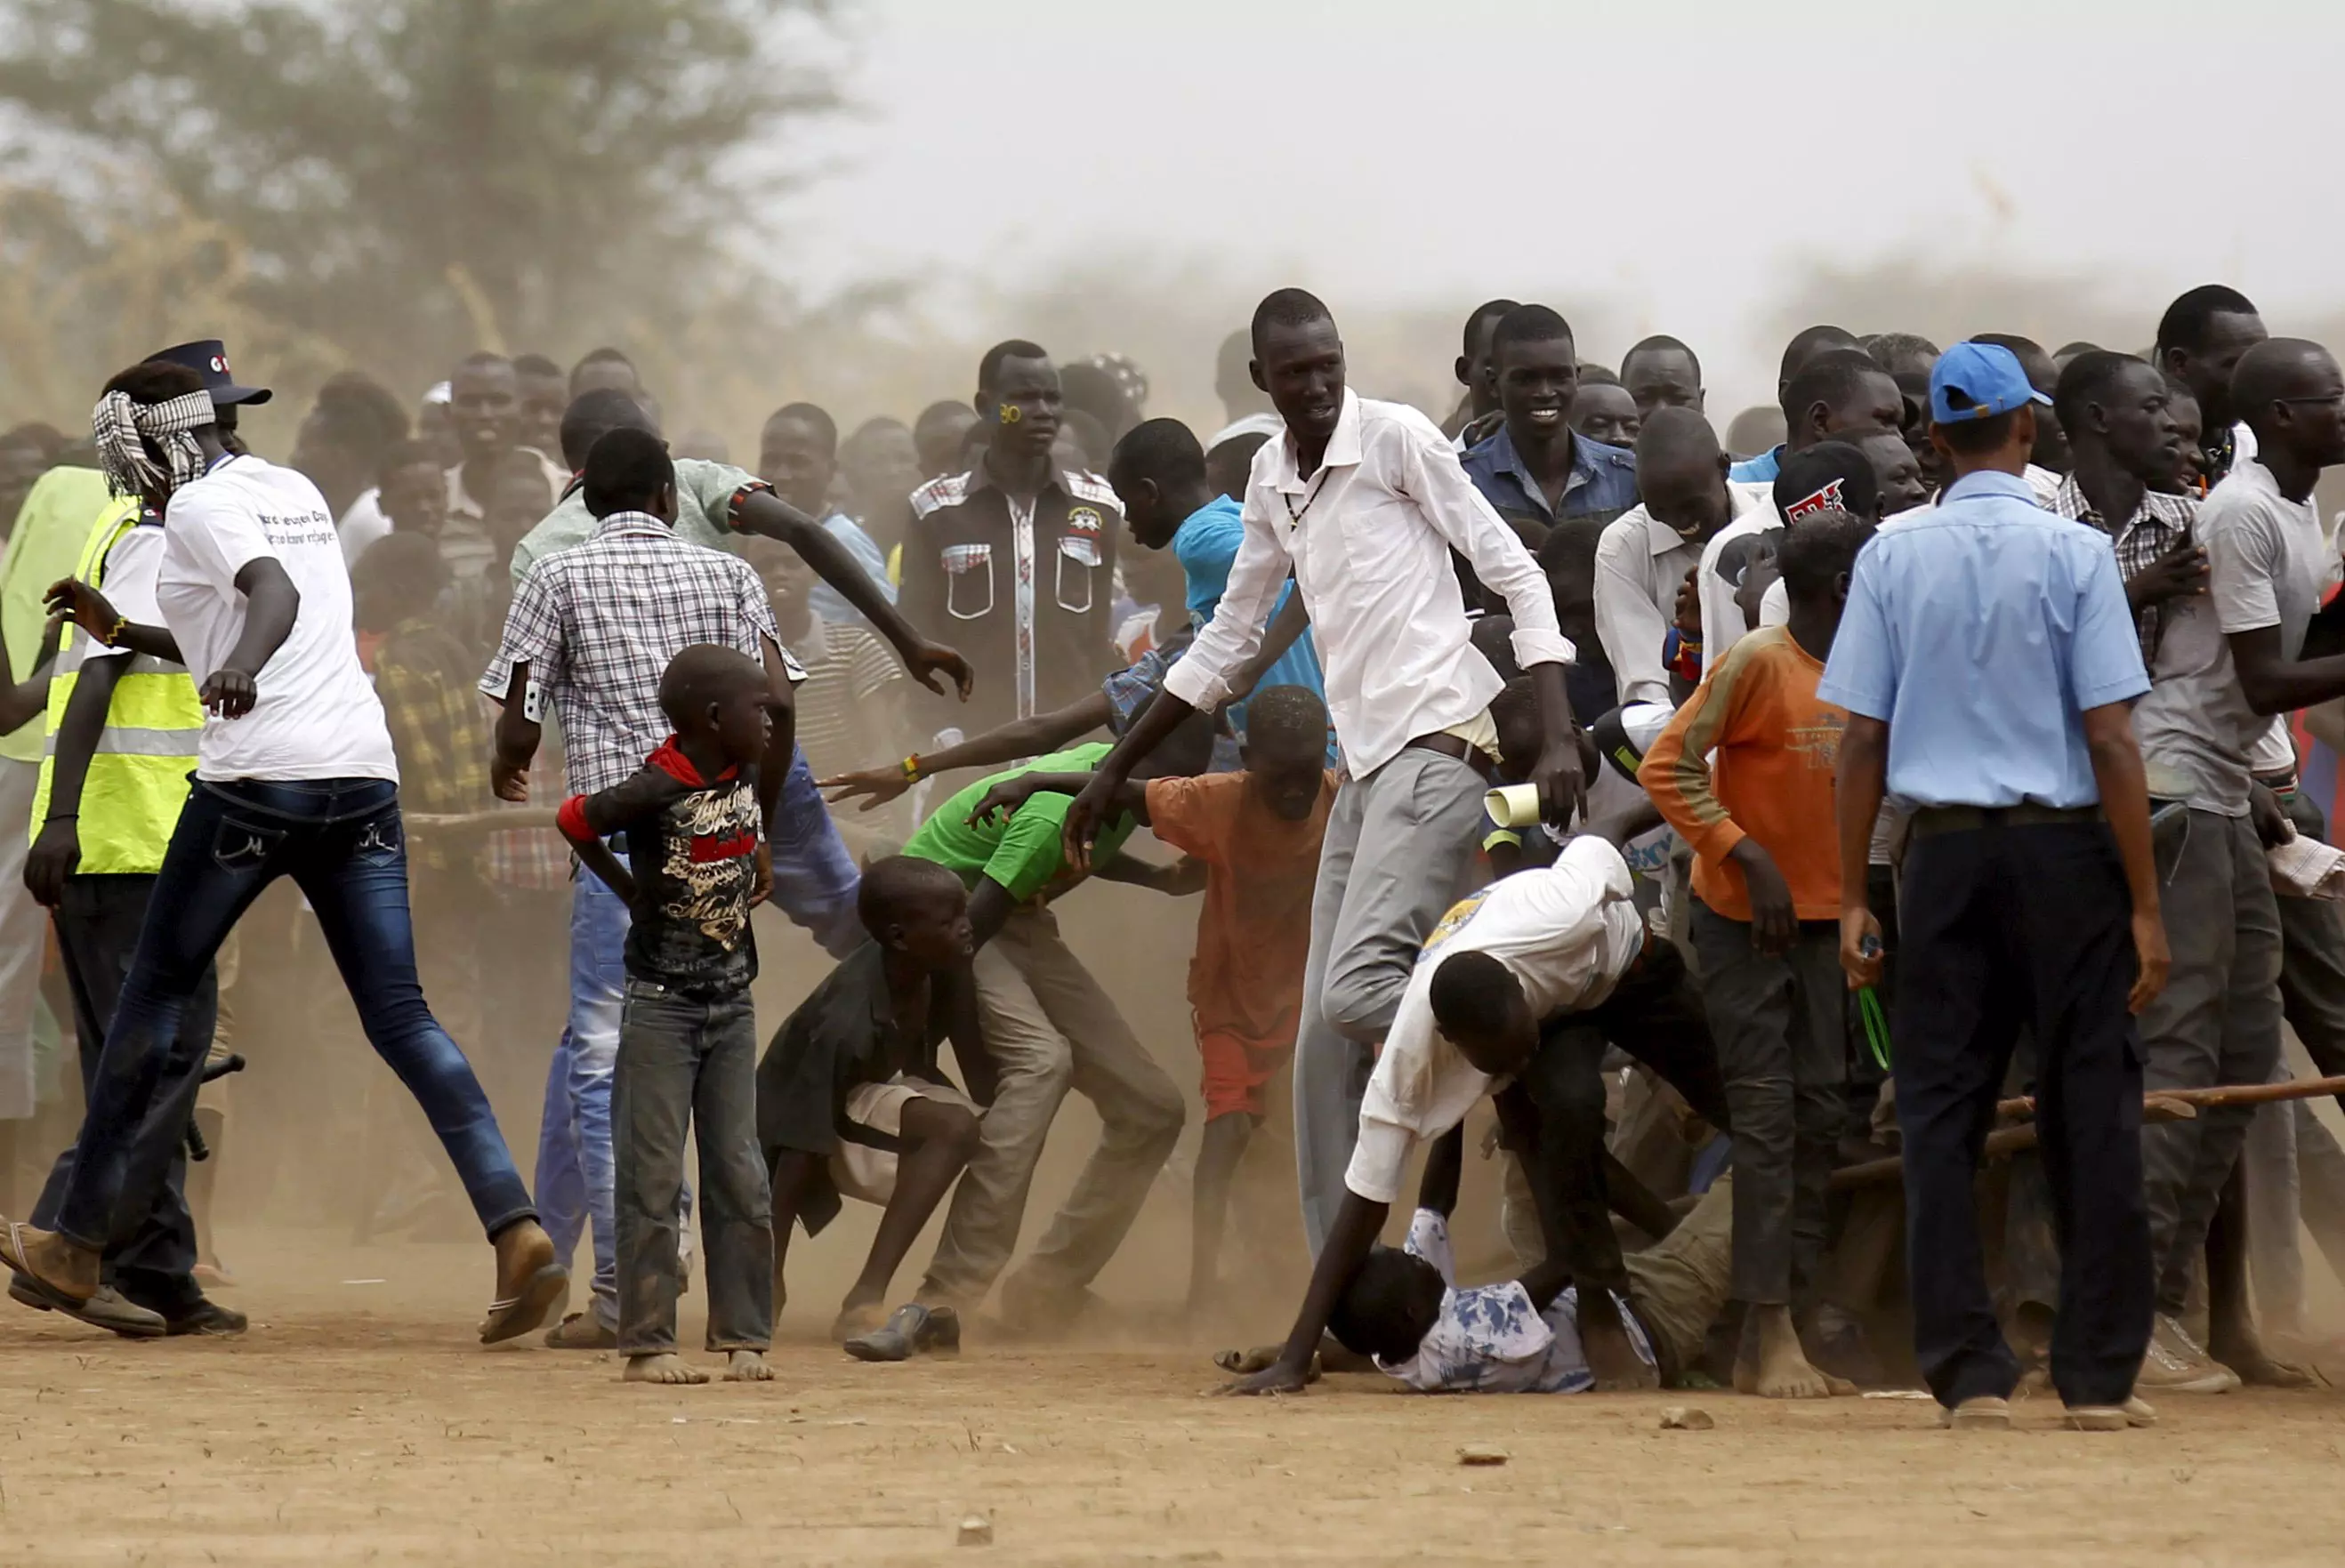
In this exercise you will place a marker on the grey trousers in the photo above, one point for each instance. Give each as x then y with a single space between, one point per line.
1050 1029
685 1060
1680 1284
1398 843
1783 1050
2216 1022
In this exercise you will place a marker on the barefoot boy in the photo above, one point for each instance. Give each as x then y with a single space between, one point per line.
1744 774
851 1099
1258 835
688 1043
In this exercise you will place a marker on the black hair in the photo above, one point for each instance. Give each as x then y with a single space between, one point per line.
875 425
626 471
809 414
534 365
153 381
702 673
1186 753
1087 389
1831 378
1820 466
1493 637
2178 391
2272 370
1286 307
404 454
360 414
1473 992
1292 711
1887 347
1486 310
1165 451
407 567
2030 355
1661 343
1517 699
1088 434
593 414
2068 350
1975 438
1818 548
1808 342
1230 464
1669 433
1392 1303
603 356
483 359
988 368
2088 379
1597 376
1528 324
2184 323
891 882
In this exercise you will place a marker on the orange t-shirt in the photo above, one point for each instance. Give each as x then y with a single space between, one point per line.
1254 934
1752 752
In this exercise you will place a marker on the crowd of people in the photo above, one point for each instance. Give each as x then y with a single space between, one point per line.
1861 863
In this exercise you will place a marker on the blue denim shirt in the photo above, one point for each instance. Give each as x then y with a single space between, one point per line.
1760 470
1980 629
1603 481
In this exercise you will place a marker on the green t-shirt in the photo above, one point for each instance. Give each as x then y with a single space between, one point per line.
703 498
1022 854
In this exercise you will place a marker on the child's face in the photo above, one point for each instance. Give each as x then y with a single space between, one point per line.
933 928
1288 772
743 722
415 499
520 503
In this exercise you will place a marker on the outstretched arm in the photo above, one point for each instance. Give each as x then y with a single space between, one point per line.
1037 736
90 609
767 515
1349 1239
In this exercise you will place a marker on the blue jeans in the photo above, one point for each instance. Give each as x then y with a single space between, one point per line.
340 842
814 884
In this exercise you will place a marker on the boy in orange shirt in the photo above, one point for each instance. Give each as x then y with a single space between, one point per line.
1257 833
1744 773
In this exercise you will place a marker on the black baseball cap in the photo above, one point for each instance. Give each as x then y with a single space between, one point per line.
207 358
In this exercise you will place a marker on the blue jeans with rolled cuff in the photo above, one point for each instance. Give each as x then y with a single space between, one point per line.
341 843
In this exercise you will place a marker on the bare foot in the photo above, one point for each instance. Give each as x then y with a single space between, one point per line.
1613 1356
665 1368
1776 1368
747 1367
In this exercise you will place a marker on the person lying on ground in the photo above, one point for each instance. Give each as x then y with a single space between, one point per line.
851 1101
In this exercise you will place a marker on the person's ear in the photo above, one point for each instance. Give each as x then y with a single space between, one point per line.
988 407
1840 587
1818 417
1725 465
1260 382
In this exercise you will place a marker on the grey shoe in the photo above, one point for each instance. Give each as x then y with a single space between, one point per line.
909 1331
108 1310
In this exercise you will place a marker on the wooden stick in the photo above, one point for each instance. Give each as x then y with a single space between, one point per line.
2159 1104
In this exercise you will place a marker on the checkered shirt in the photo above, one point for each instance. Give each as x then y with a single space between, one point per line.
2158 524
598 624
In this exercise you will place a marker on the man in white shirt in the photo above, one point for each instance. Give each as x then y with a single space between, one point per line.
1518 992
1645 555
1363 502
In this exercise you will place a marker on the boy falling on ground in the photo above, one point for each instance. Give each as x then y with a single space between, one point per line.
1522 1336
1258 835
851 1099
1765 917
693 818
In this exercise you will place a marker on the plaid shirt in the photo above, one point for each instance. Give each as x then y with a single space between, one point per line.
598 624
2158 524
425 678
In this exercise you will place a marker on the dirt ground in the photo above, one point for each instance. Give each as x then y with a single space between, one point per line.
359 1423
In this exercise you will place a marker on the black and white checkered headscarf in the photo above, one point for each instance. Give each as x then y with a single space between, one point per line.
120 420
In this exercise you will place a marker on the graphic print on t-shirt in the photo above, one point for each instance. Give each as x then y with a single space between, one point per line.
711 836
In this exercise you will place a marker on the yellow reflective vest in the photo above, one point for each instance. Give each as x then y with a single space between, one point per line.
138 778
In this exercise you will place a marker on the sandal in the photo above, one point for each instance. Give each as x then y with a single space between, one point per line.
517 1315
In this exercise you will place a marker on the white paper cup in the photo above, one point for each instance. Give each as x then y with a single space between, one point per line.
1513 806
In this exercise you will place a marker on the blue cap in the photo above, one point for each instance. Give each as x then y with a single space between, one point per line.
207 358
1978 382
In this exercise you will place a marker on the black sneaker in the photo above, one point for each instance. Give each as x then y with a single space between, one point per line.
205 1317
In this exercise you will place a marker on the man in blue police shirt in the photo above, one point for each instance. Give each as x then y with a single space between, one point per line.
1988 665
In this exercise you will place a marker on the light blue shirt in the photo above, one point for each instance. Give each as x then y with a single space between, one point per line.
1980 630
827 601
1760 470
1206 544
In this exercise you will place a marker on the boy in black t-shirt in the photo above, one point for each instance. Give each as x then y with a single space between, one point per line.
688 1041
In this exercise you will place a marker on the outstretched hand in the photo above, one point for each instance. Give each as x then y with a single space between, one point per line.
1277 1377
75 601
929 660
1092 811
1003 800
874 786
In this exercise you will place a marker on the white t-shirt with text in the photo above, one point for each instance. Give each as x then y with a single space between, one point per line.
315 716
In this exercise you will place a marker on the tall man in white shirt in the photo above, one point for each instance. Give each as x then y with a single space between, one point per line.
1364 500
1518 991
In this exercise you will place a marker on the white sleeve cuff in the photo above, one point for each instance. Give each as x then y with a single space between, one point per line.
1188 681
1378 1161
1533 646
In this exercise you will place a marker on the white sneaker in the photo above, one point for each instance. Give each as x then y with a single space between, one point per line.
2175 1364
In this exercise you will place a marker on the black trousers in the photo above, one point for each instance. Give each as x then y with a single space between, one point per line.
1554 1111
2006 928
97 919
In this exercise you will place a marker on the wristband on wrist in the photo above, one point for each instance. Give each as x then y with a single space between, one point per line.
740 499
911 766
114 638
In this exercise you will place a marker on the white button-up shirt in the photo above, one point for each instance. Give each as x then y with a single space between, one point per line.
1567 933
1640 562
1367 538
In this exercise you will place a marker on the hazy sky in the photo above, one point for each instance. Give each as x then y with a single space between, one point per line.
1677 159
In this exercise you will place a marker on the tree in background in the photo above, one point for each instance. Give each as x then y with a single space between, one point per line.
393 183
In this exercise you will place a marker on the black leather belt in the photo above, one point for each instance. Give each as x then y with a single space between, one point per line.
1465 750
1929 821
